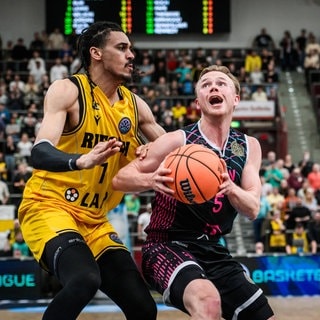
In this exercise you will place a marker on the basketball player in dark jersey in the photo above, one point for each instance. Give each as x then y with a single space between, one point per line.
92 126
183 257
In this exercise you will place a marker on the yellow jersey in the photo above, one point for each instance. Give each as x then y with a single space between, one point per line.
87 194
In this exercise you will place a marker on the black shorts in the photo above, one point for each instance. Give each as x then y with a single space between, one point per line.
169 267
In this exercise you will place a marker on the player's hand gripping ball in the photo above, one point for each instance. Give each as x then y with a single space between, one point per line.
196 171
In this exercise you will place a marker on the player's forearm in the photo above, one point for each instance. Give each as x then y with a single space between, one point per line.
245 203
126 182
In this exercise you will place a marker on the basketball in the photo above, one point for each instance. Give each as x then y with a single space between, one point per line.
196 171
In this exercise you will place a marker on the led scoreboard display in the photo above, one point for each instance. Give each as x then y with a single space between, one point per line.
142 17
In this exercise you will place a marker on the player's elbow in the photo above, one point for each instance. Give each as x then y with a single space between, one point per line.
116 184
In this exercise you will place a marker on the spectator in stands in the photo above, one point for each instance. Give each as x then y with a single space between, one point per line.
298 241
160 71
13 128
179 112
24 146
162 87
267 57
243 76
146 70
245 93
306 164
273 174
193 113
259 222
284 187
275 199
3 96
295 179
288 163
277 236
311 62
312 43
196 71
263 40
58 71
133 204
259 94
256 77
37 44
290 201
16 82
310 200
31 91
212 56
66 54
16 99
5 116
3 168
281 167
44 85
29 122
32 62
37 73
118 217
199 56
287 52
187 86
314 232
21 176
10 149
300 213
168 124
56 40
11 238
252 61
314 179
174 88
301 44
19 248
172 61
8 77
266 187
143 221
271 75
20 53
182 70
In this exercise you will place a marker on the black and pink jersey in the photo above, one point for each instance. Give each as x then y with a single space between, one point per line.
174 220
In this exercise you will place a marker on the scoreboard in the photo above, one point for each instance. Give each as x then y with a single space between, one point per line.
142 17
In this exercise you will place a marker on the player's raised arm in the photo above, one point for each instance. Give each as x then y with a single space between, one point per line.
149 173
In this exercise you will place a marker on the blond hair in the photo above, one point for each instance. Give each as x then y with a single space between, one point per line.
224 70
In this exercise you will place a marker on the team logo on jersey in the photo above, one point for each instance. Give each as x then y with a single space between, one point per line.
114 237
97 118
71 194
237 149
124 125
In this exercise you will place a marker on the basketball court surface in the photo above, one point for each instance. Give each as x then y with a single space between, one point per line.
285 308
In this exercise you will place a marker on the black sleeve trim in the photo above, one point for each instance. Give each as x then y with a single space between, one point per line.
45 156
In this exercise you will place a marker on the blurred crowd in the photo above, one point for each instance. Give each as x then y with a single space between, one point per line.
165 78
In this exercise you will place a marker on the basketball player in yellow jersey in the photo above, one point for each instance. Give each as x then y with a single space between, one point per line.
92 126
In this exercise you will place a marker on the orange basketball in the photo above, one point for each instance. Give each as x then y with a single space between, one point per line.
196 171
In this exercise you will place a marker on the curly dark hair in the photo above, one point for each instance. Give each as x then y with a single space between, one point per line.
96 35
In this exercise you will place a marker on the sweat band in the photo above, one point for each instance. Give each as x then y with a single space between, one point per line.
45 156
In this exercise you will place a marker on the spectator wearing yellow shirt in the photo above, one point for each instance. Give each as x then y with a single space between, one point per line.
252 61
179 113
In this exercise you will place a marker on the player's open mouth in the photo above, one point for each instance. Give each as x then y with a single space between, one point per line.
215 100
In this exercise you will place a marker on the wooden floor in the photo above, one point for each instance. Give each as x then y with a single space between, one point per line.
293 308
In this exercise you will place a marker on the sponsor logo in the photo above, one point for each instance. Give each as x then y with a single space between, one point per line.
71 194
124 125
114 237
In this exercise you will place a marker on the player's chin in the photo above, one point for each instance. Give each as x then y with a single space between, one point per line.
127 77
